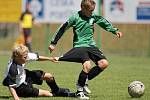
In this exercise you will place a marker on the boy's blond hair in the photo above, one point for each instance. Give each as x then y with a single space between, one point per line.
84 2
87 3
19 50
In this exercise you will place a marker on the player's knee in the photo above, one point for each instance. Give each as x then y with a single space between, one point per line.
48 76
86 66
103 64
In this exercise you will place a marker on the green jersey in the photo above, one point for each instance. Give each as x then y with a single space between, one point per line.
83 29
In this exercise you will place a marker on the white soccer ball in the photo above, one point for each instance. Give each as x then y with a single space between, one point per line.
136 89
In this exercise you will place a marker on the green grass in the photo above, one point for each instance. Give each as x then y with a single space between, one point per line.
110 85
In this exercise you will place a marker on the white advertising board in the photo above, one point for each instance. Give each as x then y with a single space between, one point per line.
54 11
127 11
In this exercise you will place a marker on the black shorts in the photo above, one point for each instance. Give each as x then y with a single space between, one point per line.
82 54
26 89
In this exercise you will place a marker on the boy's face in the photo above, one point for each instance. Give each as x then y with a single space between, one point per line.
21 59
20 54
88 7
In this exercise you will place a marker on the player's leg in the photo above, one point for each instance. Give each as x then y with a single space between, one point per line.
26 89
74 55
82 80
37 77
50 81
83 75
100 60
28 43
45 93
86 87
79 55
102 64
56 90
27 38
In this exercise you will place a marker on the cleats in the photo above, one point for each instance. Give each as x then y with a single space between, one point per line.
86 89
82 96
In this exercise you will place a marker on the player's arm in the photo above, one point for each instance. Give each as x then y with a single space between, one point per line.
70 22
20 21
37 57
44 58
57 36
107 26
10 81
34 21
13 93
22 16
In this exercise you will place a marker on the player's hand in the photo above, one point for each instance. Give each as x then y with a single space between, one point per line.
119 34
51 48
54 59
17 99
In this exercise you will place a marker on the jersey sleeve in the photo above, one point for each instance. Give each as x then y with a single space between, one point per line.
71 20
10 79
21 17
69 23
102 22
33 56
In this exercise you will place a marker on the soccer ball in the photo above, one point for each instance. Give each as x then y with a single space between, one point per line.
136 89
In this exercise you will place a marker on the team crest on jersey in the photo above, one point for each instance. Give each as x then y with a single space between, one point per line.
91 21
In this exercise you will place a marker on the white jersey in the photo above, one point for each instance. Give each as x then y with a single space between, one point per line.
15 74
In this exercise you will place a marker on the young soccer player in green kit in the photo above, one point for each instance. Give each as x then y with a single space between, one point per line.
84 47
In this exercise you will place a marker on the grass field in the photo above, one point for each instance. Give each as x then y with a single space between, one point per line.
110 85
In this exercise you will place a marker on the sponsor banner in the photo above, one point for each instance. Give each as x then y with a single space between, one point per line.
127 11
54 11
10 10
